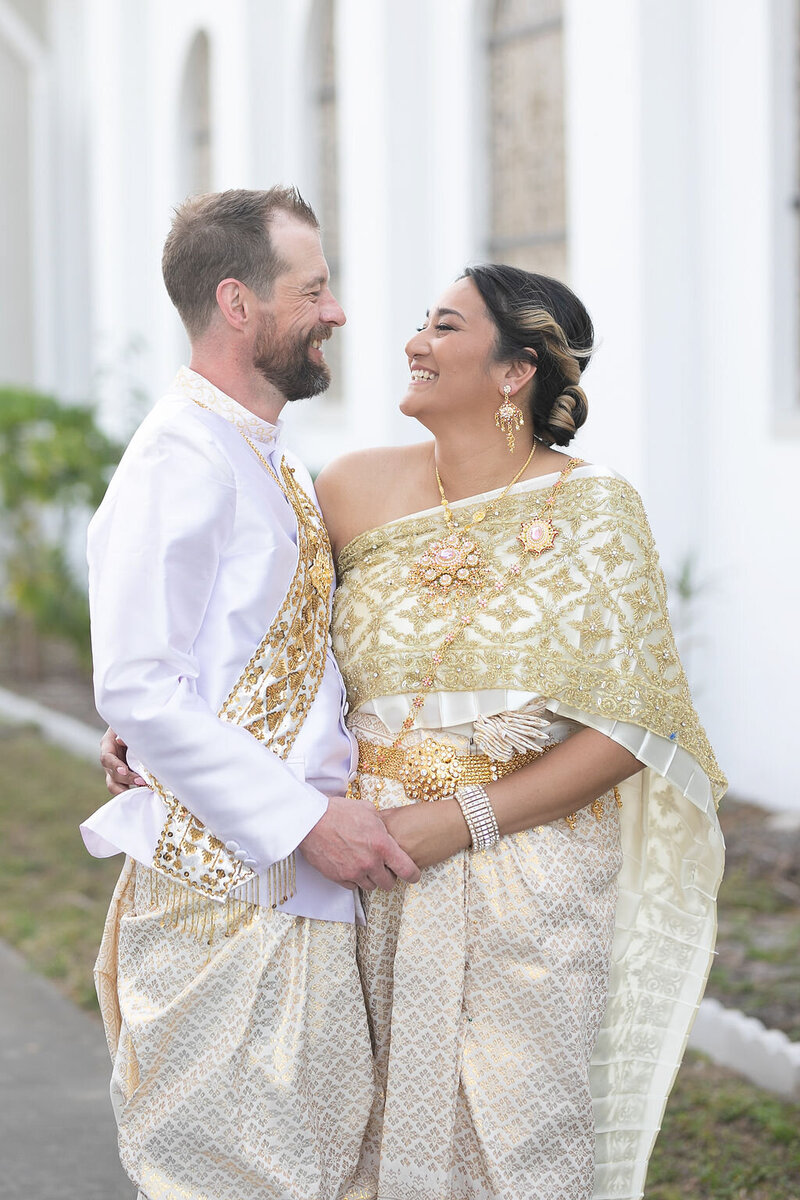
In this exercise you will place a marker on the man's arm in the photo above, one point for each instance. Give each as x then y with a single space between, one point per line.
154 553
346 845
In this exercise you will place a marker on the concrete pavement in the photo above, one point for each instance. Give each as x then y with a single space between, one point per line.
57 1133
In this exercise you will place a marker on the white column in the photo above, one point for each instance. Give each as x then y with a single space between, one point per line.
604 219
674 382
458 151
106 210
365 201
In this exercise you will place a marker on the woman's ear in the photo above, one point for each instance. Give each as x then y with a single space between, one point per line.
521 371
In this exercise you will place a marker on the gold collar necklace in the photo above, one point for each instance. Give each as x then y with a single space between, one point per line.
453 565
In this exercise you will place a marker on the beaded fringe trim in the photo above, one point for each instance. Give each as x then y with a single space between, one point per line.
203 918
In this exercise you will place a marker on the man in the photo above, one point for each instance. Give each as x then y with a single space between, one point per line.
227 975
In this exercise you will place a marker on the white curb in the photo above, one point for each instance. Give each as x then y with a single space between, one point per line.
75 736
764 1056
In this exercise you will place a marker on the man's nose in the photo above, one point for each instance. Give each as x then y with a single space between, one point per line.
332 312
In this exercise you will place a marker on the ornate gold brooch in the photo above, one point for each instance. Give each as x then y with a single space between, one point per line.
431 770
454 563
537 535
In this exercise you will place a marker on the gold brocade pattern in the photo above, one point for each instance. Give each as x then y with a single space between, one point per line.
486 984
587 623
271 700
241 1071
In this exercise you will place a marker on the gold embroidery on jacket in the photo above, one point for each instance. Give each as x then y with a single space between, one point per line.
271 700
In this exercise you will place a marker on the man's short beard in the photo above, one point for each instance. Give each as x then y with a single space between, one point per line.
286 364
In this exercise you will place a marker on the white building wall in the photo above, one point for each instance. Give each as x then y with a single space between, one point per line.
682 245
16 343
408 121
753 458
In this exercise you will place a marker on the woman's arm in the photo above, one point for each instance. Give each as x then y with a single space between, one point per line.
564 780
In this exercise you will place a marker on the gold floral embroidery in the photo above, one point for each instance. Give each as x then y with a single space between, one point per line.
195 387
586 624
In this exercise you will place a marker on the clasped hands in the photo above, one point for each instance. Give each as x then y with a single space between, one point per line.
351 844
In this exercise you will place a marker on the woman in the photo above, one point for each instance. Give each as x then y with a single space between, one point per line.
528 1003
526 731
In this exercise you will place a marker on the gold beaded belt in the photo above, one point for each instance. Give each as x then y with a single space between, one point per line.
431 769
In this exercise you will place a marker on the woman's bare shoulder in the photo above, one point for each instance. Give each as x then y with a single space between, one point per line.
361 490
369 465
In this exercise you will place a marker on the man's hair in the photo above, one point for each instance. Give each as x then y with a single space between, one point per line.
225 235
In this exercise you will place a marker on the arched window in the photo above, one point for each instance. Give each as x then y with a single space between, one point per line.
527 195
194 143
325 167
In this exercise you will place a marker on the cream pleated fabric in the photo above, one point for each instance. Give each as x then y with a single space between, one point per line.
242 1070
486 983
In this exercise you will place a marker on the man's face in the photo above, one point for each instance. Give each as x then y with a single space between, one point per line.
299 316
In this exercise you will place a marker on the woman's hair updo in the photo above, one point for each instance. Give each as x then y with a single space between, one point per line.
535 312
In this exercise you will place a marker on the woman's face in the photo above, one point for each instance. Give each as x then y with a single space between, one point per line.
451 359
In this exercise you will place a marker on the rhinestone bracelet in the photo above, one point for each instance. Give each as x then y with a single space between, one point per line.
478 813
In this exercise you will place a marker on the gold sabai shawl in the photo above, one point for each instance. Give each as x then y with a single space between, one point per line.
585 624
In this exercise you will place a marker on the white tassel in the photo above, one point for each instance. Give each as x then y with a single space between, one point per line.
509 733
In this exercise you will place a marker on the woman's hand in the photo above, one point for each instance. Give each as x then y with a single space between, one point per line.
113 759
564 780
429 833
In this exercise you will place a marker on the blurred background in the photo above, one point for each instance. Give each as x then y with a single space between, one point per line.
646 151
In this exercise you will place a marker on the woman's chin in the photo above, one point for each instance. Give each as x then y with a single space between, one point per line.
409 405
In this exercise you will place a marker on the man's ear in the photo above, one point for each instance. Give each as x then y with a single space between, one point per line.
233 300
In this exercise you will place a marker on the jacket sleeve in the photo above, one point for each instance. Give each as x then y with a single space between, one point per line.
154 551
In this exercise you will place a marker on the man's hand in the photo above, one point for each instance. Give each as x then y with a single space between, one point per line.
113 759
351 845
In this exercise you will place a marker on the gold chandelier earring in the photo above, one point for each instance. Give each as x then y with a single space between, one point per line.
509 417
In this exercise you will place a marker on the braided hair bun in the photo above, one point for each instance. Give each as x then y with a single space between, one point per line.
541 320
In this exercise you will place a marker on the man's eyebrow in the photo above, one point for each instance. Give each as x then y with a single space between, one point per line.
317 281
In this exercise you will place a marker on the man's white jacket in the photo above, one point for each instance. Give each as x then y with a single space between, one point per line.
190 557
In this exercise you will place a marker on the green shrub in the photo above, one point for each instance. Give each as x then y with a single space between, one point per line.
55 463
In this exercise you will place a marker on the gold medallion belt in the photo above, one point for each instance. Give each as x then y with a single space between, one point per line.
433 769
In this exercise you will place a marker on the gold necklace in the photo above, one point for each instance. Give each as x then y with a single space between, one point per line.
382 753
453 564
539 534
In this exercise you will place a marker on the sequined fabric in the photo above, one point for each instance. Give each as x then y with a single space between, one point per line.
486 984
241 1070
586 624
